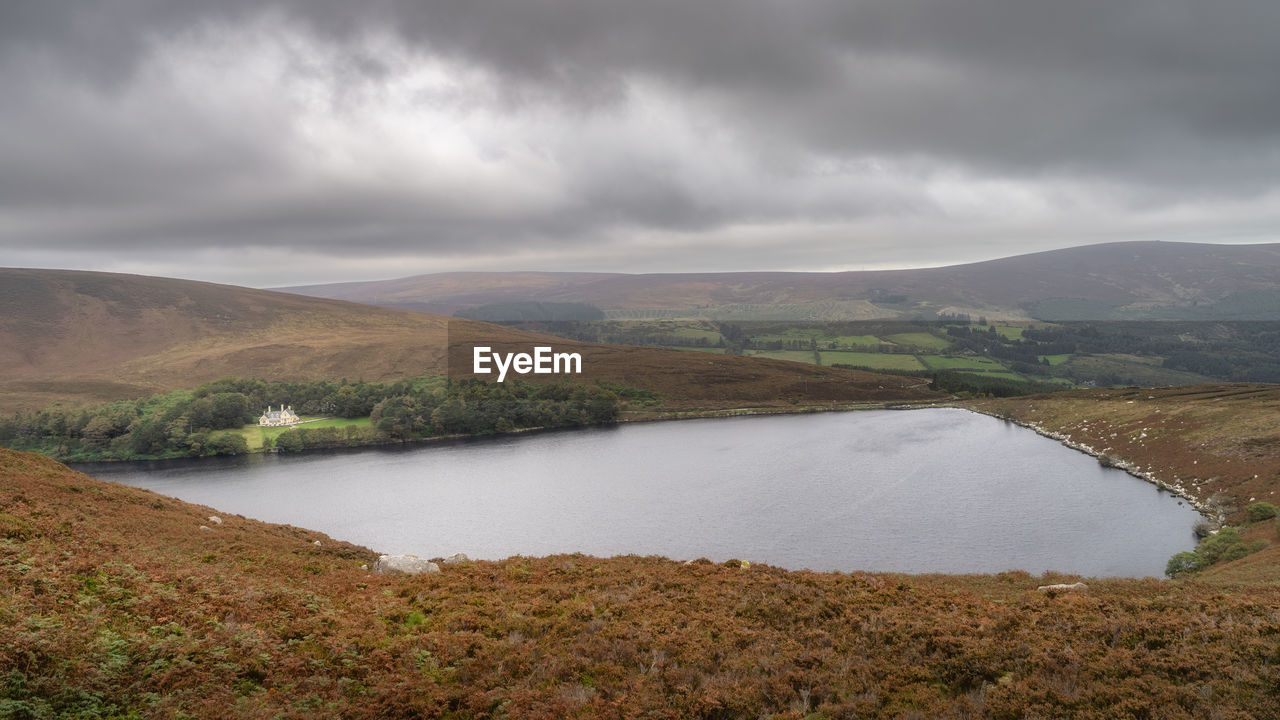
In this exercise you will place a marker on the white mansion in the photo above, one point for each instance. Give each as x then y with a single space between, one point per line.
277 418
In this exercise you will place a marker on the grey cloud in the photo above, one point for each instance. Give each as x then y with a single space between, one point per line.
1154 103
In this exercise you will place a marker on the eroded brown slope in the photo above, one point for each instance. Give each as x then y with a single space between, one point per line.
113 602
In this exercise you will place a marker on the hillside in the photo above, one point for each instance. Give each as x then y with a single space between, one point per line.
86 337
1118 281
117 602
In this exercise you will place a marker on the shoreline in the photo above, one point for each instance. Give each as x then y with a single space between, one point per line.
1177 490
626 417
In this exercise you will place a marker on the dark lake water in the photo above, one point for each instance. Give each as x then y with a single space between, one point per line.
937 490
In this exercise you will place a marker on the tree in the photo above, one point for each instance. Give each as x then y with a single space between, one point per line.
289 441
1182 563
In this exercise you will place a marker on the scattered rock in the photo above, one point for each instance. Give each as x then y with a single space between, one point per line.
364 567
1063 587
456 559
408 564
215 519
205 527
316 543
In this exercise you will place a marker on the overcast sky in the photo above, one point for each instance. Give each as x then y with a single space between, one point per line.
269 143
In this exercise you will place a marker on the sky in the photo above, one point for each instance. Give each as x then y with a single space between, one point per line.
278 142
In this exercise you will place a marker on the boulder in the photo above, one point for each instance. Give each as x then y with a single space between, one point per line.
215 519
409 564
456 559
1073 587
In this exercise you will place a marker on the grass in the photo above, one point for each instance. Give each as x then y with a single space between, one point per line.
1129 370
256 435
877 361
856 340
1009 331
711 336
700 348
803 356
1055 360
942 362
1002 374
925 340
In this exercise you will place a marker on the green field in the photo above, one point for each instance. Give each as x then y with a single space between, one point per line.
1056 359
824 340
919 339
1010 332
255 435
1002 374
697 334
788 337
699 348
804 356
976 363
856 340
878 361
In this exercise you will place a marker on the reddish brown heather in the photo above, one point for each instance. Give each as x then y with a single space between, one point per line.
113 601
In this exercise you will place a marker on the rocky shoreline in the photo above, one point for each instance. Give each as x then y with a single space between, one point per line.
1205 508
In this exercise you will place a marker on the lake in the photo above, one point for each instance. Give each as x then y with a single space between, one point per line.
933 490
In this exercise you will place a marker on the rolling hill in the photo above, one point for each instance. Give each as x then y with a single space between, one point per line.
86 336
1118 281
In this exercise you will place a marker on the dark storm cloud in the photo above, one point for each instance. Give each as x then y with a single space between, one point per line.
551 123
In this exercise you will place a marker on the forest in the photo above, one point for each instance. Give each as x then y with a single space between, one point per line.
209 419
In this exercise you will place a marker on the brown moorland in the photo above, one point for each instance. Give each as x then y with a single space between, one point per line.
73 336
114 601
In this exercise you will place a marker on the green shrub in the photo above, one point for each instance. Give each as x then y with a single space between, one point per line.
1183 562
1260 511
1225 546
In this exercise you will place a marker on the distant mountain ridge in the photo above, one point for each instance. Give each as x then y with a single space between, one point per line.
1115 281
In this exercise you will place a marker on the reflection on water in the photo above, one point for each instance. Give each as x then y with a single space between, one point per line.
938 490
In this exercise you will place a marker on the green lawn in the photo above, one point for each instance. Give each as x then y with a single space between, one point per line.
791 335
878 361
822 339
804 356
856 340
1002 374
919 339
939 362
254 435
699 348
697 334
